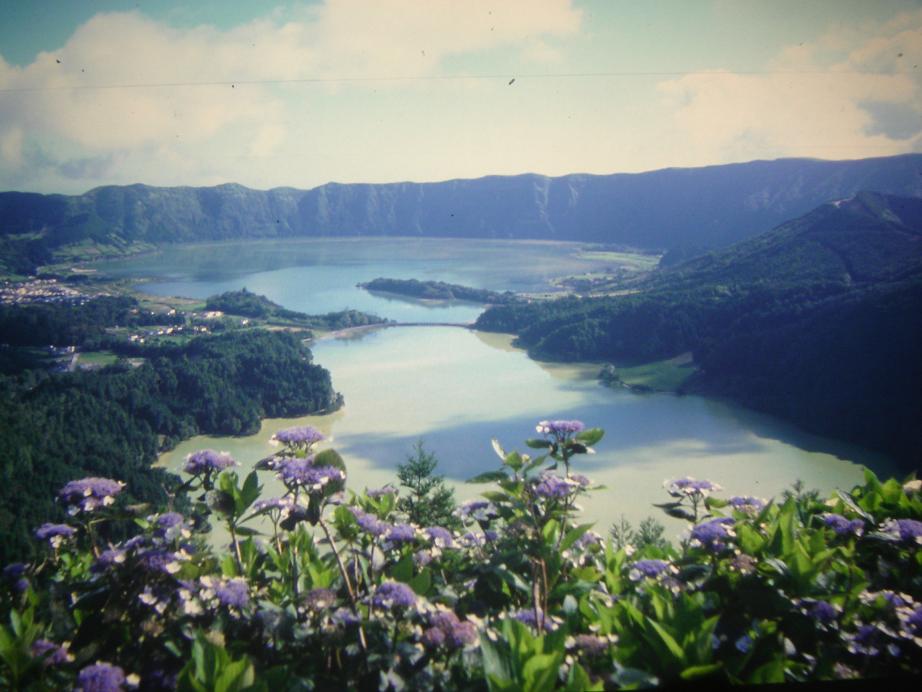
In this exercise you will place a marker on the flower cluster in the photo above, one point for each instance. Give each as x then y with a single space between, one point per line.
89 494
301 473
906 530
747 504
713 534
298 437
207 461
689 487
650 569
560 430
391 594
477 510
842 526
549 486
55 534
448 631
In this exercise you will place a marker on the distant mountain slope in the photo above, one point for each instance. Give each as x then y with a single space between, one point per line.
818 321
672 208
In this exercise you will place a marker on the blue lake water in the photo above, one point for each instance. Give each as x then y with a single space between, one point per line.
456 388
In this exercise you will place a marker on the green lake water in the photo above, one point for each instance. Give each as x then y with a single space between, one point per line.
456 388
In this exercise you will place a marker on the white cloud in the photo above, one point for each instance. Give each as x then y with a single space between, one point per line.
816 99
141 61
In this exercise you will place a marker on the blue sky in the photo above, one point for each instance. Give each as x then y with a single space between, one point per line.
298 94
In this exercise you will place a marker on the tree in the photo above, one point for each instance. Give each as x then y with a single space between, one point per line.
429 501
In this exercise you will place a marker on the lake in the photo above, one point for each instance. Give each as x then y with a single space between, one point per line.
455 388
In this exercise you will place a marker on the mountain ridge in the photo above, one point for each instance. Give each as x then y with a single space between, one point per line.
707 207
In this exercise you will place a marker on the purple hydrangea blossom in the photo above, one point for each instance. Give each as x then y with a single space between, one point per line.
822 612
552 487
15 575
689 487
649 569
207 461
866 641
478 510
747 504
299 436
527 617
392 594
51 654
440 537
911 621
170 526
378 493
301 473
398 534
101 677
55 534
369 523
560 429
108 559
843 526
89 494
446 629
713 534
908 530
588 539
233 593
159 561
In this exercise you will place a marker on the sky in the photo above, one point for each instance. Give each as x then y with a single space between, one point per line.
298 94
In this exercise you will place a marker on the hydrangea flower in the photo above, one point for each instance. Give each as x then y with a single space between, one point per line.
299 436
170 526
233 593
907 530
89 494
392 594
101 677
478 510
747 504
207 461
527 617
108 559
55 534
713 534
14 574
911 621
440 537
378 493
343 617
164 561
369 523
865 641
689 487
446 629
51 654
399 534
301 473
650 569
842 526
550 486
821 612
560 429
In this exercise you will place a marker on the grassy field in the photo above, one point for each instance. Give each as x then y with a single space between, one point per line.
97 358
663 375
627 260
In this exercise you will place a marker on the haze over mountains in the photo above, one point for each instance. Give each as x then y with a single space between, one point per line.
665 209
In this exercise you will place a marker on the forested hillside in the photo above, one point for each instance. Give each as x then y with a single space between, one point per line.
114 422
817 321
666 209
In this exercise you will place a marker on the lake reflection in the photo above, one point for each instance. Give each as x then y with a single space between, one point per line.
456 389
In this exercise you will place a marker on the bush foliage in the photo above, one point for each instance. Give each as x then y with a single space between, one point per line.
327 588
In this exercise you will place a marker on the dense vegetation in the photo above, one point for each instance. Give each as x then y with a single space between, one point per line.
248 304
439 290
115 421
659 210
818 321
342 593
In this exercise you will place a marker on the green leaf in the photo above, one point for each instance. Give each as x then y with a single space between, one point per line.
773 671
422 582
667 639
403 570
540 671
488 477
574 535
703 671
536 443
590 436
